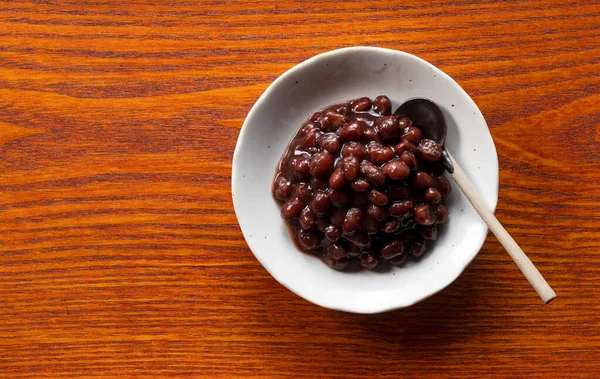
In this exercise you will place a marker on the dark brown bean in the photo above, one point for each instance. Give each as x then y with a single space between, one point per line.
377 212
441 214
303 192
319 184
331 121
371 134
404 122
330 142
444 186
421 180
424 214
352 250
355 148
307 239
403 146
401 208
351 167
291 208
398 260
396 169
382 105
337 179
412 134
306 218
392 226
336 251
341 109
338 217
352 131
410 160
332 233
360 185
339 265
388 128
300 167
378 198
321 203
322 223
418 248
396 191
339 197
308 127
310 140
379 154
359 199
360 105
369 260
283 188
433 196
373 173
429 232
352 221
393 249
321 165
429 150
359 238
369 224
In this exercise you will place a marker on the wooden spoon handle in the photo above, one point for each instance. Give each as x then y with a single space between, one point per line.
523 262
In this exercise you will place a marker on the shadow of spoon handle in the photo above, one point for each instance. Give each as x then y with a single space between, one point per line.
532 274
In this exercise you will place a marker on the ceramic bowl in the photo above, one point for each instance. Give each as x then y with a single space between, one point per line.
333 77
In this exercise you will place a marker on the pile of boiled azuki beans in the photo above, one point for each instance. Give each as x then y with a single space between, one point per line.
357 182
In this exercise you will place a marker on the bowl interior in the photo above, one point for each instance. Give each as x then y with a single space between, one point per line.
338 76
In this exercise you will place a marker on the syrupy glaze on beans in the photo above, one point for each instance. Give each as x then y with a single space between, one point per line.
357 183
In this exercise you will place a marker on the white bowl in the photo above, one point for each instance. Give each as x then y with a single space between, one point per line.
338 76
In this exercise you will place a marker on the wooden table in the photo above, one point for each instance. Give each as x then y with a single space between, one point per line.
120 255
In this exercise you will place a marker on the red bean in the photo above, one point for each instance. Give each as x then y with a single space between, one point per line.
388 128
444 186
421 180
352 250
401 208
321 203
283 188
360 105
369 224
355 148
373 173
310 139
379 154
338 217
352 221
378 198
382 105
351 167
337 179
412 134
397 191
371 134
306 218
352 131
410 160
398 260
429 232
360 238
339 264
429 150
336 251
308 127
303 192
360 185
339 197
393 249
424 214
441 214
332 233
403 146
315 116
341 109
322 223
331 121
369 260
377 212
433 196
404 122
321 165
418 248
396 169
330 142
300 167
307 239
318 184
291 208
392 226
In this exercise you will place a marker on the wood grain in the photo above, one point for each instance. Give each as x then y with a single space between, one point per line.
120 255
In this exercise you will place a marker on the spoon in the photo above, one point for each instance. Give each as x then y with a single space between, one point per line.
428 117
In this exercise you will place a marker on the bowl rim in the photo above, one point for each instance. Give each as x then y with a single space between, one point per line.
355 307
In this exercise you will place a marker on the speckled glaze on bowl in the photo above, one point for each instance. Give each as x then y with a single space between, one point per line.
337 76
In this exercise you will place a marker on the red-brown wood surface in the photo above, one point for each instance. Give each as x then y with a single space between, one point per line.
120 254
